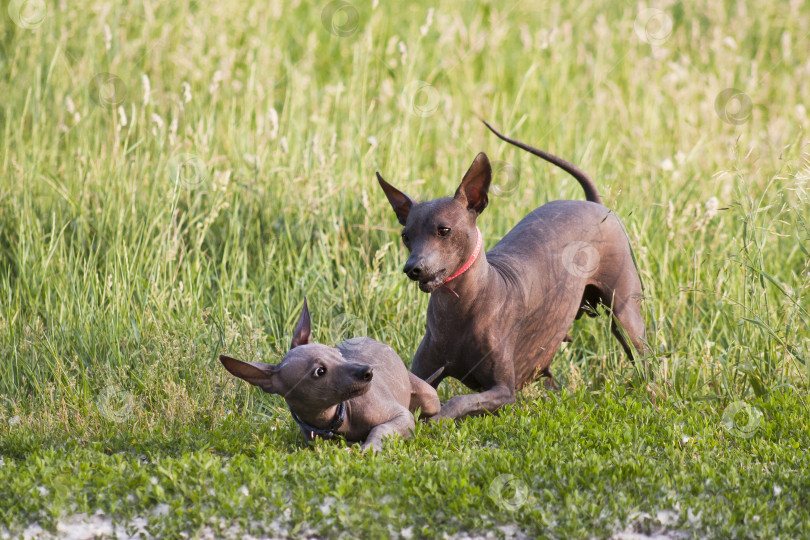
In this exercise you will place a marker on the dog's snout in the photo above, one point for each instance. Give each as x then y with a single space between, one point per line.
413 269
365 373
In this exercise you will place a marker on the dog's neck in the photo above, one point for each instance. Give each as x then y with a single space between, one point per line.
479 244
329 419
466 287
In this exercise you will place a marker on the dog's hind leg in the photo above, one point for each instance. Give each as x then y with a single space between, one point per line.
548 380
627 324
628 328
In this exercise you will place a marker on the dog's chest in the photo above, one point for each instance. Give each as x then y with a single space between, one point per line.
463 358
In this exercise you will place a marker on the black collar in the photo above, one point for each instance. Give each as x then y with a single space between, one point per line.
327 432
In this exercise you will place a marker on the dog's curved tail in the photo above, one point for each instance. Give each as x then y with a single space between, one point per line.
591 193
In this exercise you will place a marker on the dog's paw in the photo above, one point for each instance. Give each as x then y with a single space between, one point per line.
371 446
550 383
441 421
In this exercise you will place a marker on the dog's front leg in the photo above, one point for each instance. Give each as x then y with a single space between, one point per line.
402 424
424 397
488 401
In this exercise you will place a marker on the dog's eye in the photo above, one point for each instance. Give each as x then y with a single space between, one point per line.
443 231
405 238
319 372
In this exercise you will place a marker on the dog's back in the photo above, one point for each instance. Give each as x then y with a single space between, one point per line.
573 246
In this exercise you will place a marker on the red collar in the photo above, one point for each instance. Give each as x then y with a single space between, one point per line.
467 264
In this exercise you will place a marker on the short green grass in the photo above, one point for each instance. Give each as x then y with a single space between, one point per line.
176 177
562 465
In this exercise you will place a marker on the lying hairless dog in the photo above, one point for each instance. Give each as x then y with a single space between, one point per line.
359 389
495 319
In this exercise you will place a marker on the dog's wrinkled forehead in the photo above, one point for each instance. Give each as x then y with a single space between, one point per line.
446 212
303 356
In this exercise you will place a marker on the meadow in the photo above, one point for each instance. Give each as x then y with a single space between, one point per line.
175 178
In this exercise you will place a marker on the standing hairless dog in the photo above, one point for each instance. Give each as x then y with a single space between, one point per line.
495 319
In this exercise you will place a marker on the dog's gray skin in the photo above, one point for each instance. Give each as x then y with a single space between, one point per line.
516 303
380 393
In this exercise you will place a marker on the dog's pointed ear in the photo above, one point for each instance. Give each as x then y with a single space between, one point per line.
400 202
303 330
474 188
256 373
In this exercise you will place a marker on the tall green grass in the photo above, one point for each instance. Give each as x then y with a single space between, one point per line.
141 235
